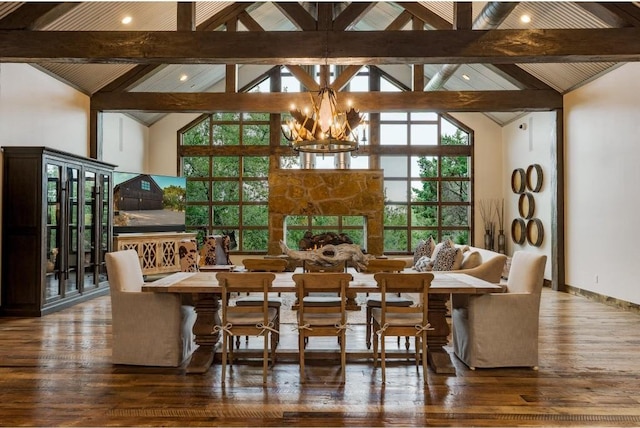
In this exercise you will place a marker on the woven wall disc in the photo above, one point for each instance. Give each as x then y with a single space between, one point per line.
518 231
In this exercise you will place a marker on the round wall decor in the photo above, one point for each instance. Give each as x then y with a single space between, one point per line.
526 205
535 232
518 231
534 177
518 180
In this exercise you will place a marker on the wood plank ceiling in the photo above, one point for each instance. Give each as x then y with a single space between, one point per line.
496 64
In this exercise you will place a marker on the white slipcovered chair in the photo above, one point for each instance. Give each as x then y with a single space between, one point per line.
501 329
149 329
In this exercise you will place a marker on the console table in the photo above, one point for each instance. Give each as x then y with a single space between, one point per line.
158 252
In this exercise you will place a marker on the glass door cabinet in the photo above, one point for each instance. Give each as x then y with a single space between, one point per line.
57 228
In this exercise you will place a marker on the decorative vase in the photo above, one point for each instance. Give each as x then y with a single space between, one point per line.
501 242
488 240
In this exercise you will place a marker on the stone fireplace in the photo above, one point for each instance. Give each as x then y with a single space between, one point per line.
326 192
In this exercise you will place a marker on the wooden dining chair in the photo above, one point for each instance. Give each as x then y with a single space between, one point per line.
384 265
322 320
247 320
262 265
389 320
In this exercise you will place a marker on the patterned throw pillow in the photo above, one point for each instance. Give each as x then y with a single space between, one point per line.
423 264
445 258
424 248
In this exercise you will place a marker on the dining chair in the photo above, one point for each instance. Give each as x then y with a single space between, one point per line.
384 265
247 320
263 265
501 329
188 254
322 320
389 320
149 329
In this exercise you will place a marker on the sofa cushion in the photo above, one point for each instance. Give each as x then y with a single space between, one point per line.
424 264
424 248
447 243
445 258
471 259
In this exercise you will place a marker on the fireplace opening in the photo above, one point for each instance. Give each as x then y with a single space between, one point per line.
312 232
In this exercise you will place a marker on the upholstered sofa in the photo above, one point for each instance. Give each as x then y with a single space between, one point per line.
485 264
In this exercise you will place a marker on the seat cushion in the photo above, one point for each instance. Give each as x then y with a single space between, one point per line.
320 319
273 302
376 302
322 301
249 318
397 319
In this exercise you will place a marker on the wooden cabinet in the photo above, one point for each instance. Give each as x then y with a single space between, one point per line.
158 252
56 229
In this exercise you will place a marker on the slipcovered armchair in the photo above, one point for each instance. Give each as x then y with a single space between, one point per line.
501 329
149 329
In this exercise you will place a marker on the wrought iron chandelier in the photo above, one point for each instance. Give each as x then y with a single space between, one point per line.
325 130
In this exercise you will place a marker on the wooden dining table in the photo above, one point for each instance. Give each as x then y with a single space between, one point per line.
206 291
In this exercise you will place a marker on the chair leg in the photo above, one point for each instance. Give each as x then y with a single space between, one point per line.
265 356
383 362
375 345
224 356
343 355
301 346
368 327
424 357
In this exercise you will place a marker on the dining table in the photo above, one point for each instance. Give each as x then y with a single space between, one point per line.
206 292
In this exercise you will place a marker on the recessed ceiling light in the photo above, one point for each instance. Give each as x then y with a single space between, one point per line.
525 19
127 20
465 77
183 77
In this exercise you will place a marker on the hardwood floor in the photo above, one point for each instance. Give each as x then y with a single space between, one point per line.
56 370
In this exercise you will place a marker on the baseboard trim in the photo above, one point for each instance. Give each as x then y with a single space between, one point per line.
607 300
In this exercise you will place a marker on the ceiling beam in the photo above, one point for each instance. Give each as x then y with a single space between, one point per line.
351 15
427 15
614 14
222 17
313 47
438 101
35 16
298 15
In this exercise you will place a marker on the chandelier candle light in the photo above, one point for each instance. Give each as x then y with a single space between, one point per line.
325 130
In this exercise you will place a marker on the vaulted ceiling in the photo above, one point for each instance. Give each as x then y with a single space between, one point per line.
466 56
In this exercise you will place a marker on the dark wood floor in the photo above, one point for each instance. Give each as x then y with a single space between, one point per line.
56 370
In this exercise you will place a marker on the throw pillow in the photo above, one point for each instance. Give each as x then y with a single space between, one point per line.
424 248
457 261
423 264
445 258
447 243
471 259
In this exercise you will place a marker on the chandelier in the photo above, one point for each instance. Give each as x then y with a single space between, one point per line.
325 130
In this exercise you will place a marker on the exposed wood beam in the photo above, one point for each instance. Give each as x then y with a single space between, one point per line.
313 47
222 17
303 77
400 21
231 70
615 14
325 16
439 101
429 17
35 16
297 15
351 15
345 77
248 21
186 19
519 77
462 15
139 72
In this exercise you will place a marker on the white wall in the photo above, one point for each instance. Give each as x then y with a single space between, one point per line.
488 159
125 142
522 148
602 151
38 110
163 143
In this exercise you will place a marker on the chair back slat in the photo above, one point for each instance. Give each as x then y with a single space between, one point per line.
265 265
385 265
